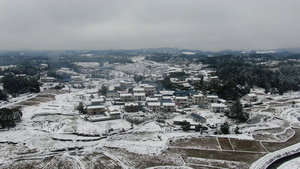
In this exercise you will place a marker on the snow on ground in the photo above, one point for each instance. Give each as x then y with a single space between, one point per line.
44 126
87 64
188 53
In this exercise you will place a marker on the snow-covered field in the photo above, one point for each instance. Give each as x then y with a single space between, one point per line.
53 130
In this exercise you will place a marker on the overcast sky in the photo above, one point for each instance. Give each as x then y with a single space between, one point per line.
209 25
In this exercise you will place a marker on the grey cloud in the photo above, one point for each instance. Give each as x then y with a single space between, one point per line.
193 24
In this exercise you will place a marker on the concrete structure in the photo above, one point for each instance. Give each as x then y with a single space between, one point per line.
212 99
198 118
149 89
182 101
95 109
214 79
199 98
168 107
47 79
127 84
115 115
97 101
76 79
148 100
251 97
131 107
138 90
217 108
139 96
154 106
159 96
127 97
112 94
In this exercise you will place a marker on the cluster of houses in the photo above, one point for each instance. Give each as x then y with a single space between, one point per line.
145 97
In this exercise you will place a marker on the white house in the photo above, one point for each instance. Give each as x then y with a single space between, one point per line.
126 97
149 99
127 84
112 94
97 101
139 96
154 106
149 89
95 109
199 98
168 107
212 99
158 96
251 97
47 79
138 90
217 108
182 101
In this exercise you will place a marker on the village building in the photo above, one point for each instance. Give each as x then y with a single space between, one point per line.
186 85
168 107
199 99
180 120
95 109
166 93
149 89
139 96
214 79
126 97
154 106
138 90
131 107
115 115
198 118
47 79
112 94
127 84
212 99
181 101
120 88
149 99
181 79
251 97
196 81
158 96
217 107
180 93
76 79
97 101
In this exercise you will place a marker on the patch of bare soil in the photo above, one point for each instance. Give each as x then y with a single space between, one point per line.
225 144
200 143
247 145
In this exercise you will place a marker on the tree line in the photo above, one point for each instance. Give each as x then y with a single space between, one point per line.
16 85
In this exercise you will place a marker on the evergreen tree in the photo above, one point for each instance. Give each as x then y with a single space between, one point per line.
81 108
9 117
186 125
236 112
225 128
3 95
103 90
198 127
